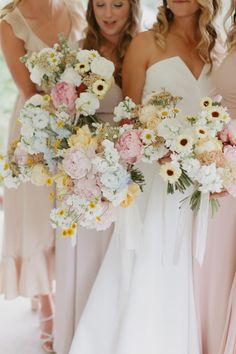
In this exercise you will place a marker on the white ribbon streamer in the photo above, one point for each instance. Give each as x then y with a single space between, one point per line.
183 230
201 226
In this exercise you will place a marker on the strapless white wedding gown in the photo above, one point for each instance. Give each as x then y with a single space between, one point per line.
142 301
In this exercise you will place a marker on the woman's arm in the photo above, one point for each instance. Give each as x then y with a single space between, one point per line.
13 49
134 68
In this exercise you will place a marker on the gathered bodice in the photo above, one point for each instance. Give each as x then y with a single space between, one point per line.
173 75
32 42
226 83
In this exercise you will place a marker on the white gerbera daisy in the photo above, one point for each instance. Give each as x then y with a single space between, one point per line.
218 113
184 143
82 68
201 132
206 103
170 172
100 88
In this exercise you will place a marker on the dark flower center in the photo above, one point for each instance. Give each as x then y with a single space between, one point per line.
184 142
170 172
215 114
100 87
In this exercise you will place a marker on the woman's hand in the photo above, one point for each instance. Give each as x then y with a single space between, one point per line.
221 194
165 159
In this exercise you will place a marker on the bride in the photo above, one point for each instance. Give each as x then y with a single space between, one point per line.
142 300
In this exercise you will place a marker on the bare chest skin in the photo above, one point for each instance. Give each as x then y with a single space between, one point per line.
47 29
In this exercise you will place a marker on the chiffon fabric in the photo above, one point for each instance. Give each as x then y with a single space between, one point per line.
77 266
215 280
27 264
143 299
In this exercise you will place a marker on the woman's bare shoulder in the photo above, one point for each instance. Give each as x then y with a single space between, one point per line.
144 38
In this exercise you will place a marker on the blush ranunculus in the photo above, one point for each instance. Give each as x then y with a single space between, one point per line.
63 93
87 188
129 146
77 162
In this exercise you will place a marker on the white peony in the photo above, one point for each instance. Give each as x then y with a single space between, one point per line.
102 67
36 75
70 76
191 167
123 110
210 179
36 100
87 104
83 55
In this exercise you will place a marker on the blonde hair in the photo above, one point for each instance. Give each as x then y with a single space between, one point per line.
94 38
208 13
9 8
231 35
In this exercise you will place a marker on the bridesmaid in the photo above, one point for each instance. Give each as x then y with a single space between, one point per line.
111 26
215 278
27 267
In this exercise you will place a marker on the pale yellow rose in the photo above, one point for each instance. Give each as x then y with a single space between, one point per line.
208 145
132 192
148 114
82 137
62 183
39 175
153 123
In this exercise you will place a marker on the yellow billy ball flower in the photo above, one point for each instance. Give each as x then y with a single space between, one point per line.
49 181
51 196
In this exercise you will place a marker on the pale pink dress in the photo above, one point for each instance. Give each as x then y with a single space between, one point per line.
77 267
27 264
214 290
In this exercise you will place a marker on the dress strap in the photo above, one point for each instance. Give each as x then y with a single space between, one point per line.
19 26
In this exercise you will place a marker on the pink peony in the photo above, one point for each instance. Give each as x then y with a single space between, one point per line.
129 146
87 188
230 153
63 93
77 162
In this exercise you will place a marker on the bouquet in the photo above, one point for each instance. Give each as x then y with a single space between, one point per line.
62 140
72 83
92 180
198 151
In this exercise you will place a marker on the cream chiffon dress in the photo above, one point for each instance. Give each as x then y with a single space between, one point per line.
77 267
27 263
216 280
